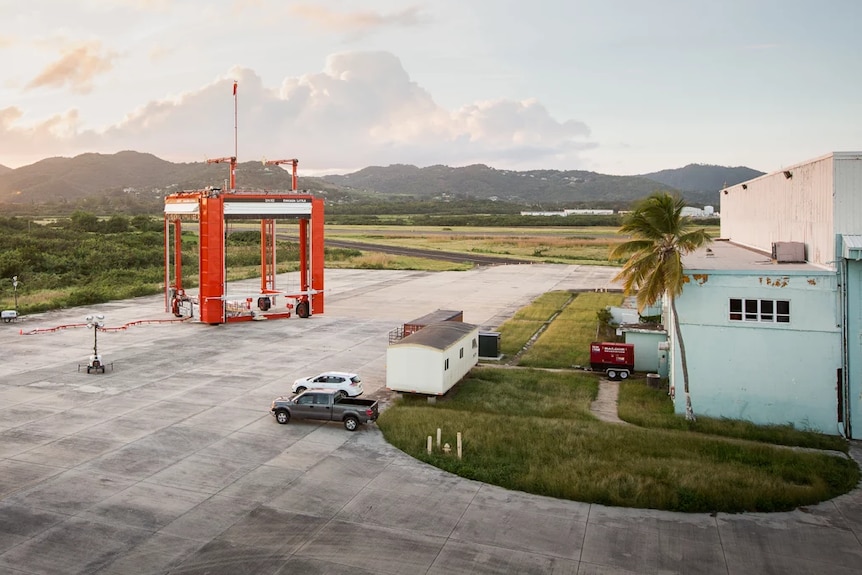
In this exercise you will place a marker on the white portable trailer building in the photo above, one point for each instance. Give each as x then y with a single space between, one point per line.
433 359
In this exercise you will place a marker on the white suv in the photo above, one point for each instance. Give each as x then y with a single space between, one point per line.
347 384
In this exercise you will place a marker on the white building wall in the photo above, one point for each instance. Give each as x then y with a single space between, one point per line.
766 373
848 193
422 369
462 357
414 369
774 208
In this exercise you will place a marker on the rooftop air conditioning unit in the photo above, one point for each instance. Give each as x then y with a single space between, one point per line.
788 252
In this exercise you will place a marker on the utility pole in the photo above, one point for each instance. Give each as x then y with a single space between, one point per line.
15 283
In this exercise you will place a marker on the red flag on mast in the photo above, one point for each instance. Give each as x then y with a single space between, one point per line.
234 87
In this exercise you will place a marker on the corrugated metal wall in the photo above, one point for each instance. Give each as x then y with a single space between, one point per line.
848 199
777 208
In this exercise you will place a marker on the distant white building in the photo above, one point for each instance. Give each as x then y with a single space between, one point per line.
543 214
692 212
588 212
565 213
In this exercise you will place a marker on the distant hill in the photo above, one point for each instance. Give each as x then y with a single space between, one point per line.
534 187
703 177
146 178
134 173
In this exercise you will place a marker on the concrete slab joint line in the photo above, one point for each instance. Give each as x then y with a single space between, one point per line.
172 463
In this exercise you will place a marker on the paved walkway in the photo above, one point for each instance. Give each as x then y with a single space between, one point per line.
170 463
605 405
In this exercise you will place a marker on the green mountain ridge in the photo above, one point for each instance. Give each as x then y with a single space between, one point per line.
704 177
134 174
536 187
125 175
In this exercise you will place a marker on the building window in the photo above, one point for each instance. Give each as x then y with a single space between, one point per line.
446 364
763 310
462 353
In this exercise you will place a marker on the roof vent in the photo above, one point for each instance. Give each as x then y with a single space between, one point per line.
788 252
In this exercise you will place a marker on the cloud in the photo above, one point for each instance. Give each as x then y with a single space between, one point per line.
55 135
361 109
76 68
355 23
144 5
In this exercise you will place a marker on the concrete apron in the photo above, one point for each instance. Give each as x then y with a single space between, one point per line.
171 463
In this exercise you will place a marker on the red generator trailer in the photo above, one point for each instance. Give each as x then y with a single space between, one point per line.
617 360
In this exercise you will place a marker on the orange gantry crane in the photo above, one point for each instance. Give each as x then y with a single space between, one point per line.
210 209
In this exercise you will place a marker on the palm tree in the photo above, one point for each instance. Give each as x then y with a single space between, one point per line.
661 235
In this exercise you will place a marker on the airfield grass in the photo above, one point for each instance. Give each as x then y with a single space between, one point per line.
644 406
531 429
585 246
565 342
149 281
517 331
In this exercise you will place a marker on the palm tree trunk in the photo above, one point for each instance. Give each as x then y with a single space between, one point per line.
689 412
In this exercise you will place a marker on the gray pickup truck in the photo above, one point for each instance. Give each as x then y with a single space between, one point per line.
326 405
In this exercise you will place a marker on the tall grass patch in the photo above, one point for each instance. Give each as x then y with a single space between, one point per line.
516 332
652 408
538 437
566 342
380 261
535 393
544 307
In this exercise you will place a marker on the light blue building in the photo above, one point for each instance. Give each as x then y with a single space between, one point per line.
771 316
650 348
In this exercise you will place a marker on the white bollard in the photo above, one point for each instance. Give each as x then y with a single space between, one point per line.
438 438
430 445
459 445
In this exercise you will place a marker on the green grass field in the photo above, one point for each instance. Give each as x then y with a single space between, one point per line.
531 430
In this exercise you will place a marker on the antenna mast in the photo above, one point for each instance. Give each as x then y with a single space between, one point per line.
235 155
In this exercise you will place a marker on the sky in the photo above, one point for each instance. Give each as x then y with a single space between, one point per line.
613 86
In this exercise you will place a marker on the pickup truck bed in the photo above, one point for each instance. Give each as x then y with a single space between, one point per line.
325 405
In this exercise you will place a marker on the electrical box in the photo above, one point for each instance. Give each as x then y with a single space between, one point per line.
489 344
788 252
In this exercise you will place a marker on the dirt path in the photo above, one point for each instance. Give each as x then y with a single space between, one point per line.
605 405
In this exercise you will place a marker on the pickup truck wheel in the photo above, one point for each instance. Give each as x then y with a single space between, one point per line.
282 416
351 423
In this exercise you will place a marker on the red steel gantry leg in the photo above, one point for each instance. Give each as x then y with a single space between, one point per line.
317 255
212 272
267 256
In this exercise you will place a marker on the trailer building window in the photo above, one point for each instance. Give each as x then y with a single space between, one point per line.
446 364
762 310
